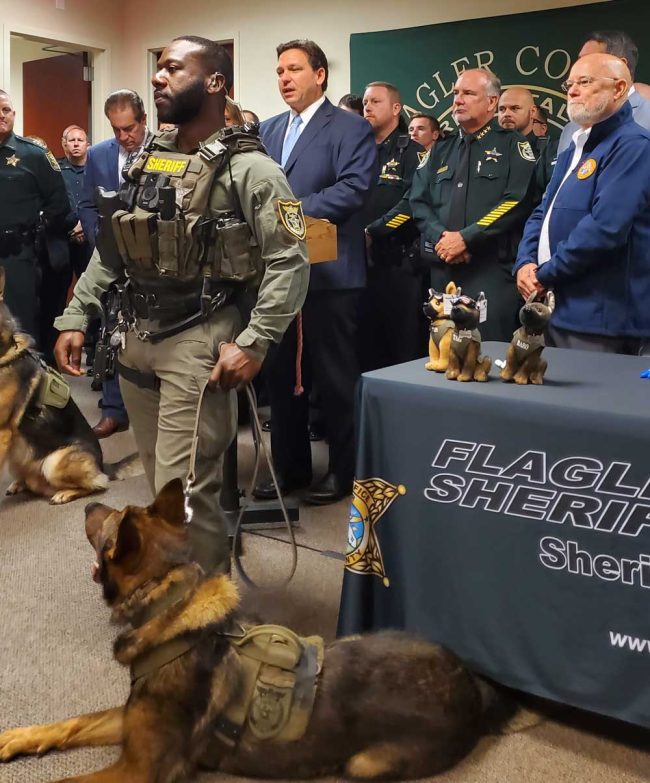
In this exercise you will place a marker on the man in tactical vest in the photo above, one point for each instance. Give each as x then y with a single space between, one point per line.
393 328
203 215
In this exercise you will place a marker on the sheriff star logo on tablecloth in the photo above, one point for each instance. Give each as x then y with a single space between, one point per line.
13 161
371 499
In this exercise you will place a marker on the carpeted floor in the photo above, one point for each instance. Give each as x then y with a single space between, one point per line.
55 638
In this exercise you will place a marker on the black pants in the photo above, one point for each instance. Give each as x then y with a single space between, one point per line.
393 327
329 359
492 277
20 289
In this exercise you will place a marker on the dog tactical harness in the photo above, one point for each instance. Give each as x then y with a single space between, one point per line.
46 385
439 329
279 675
526 344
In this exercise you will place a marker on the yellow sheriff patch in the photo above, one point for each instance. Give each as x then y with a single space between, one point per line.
292 219
526 151
175 168
52 161
587 169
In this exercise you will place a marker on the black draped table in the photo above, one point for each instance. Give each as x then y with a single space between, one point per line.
511 523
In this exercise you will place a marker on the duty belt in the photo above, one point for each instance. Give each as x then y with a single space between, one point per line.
167 313
12 240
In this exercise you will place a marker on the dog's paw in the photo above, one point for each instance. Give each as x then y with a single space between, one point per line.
18 742
15 487
64 496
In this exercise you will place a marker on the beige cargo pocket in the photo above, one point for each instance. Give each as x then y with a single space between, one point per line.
171 247
237 257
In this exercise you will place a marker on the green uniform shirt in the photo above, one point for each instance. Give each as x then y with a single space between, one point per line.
259 182
398 163
30 182
499 193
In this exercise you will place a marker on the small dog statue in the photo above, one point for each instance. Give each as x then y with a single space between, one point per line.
465 361
440 329
524 363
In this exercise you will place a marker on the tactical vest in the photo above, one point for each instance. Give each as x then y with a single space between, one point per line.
162 226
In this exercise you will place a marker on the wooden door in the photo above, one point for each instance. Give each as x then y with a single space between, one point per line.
55 95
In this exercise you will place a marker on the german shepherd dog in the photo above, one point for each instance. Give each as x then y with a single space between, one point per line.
49 451
387 705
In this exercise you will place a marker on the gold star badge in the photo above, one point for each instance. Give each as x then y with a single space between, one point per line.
13 161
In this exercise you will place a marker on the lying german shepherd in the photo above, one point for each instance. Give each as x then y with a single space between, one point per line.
50 450
386 706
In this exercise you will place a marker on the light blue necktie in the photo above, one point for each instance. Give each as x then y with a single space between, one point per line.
291 138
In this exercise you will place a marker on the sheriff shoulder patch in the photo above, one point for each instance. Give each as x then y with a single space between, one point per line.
526 151
291 217
423 160
52 161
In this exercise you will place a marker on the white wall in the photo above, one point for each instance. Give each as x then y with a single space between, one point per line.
94 25
259 25
121 41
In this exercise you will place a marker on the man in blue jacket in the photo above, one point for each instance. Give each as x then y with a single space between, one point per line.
330 159
589 239
618 43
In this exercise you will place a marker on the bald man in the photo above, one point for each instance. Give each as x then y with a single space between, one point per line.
589 239
618 43
517 111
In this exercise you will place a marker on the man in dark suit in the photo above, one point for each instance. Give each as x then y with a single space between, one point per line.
106 160
330 159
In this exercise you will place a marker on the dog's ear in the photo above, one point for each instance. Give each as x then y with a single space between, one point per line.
451 288
170 503
128 541
531 297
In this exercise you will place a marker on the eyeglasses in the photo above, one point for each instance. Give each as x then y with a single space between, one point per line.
583 81
539 122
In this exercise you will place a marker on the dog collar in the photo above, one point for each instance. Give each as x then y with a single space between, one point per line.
22 345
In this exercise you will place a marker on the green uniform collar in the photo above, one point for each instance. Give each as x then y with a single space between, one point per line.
10 142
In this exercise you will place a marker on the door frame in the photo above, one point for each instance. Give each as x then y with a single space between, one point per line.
100 57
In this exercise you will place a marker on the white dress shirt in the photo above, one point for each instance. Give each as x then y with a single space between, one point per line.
305 116
544 249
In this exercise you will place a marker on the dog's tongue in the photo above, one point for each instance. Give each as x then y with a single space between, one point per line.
94 570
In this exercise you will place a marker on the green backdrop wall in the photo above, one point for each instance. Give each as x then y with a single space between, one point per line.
534 49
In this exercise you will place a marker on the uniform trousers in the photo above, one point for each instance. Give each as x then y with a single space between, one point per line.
497 283
163 422
20 289
393 326
330 361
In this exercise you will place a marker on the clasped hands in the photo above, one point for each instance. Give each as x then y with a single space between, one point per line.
451 248
527 281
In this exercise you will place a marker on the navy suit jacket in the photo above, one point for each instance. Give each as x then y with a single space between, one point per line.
101 169
331 169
